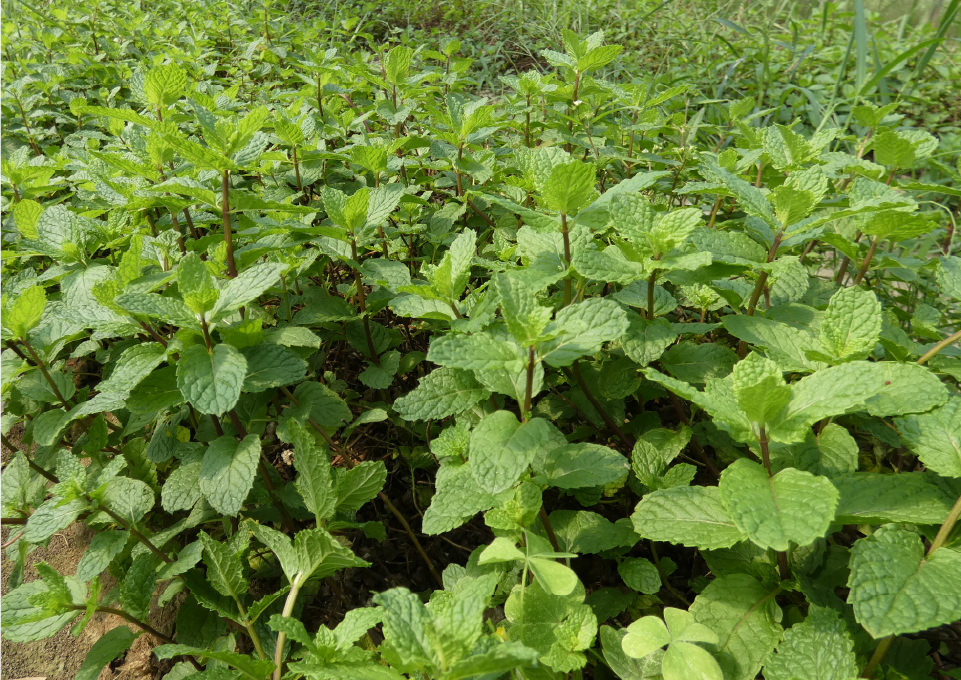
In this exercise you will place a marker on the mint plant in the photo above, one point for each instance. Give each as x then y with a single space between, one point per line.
375 370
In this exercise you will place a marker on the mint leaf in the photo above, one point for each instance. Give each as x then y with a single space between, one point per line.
227 472
25 311
476 352
110 645
818 648
690 515
270 365
851 324
211 381
579 465
742 612
793 506
895 589
501 449
581 329
569 187
935 437
875 498
442 393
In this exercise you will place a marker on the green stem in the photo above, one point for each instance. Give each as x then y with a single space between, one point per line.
867 261
362 301
529 388
567 258
940 346
946 528
295 585
878 655
225 216
43 370
601 411
413 537
650 294
551 536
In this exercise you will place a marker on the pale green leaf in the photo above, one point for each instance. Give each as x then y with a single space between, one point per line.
895 589
689 515
227 472
211 381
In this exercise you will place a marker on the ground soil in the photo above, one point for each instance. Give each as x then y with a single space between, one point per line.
60 656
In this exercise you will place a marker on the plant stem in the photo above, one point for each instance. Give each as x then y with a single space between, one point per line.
567 258
878 655
762 279
43 370
413 537
300 186
362 301
295 585
551 536
867 261
601 411
954 337
650 294
143 625
529 389
225 214
946 528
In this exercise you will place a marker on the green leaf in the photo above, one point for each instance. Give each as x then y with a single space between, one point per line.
559 627
895 589
110 645
743 614
851 324
875 498
580 465
759 388
357 485
690 515
182 488
644 636
397 64
270 365
525 319
224 568
698 362
25 311
476 352
581 531
449 278
164 84
211 381
935 437
556 578
322 404
684 661
247 286
457 498
103 548
793 506
314 480
227 472
54 515
407 628
641 575
598 57
254 669
569 187
196 284
132 366
818 648
441 393
501 549
501 449
645 341
582 329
